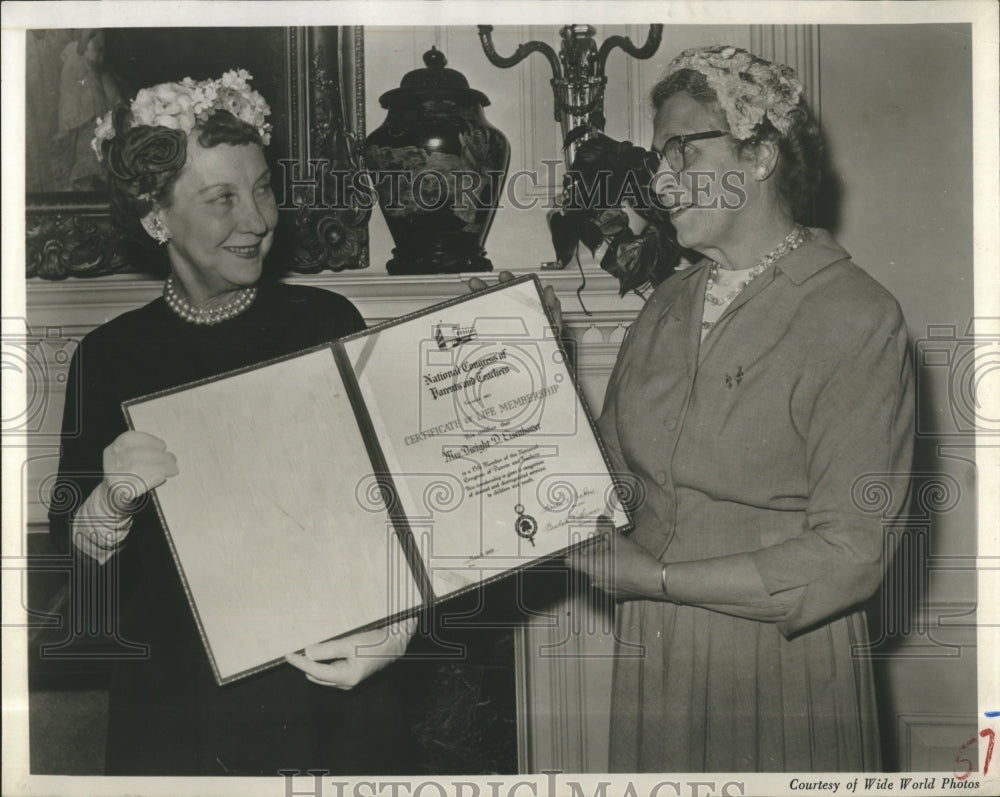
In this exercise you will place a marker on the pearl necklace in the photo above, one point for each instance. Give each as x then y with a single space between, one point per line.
214 315
798 236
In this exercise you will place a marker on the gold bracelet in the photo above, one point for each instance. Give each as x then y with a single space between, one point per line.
663 580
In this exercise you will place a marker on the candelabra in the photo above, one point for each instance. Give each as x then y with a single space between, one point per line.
578 79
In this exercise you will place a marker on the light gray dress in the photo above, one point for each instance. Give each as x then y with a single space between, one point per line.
770 437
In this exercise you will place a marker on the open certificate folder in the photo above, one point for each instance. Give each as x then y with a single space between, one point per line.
360 481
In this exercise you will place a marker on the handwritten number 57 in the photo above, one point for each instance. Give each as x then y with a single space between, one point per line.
986 733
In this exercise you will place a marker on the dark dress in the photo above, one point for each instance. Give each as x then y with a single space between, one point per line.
167 715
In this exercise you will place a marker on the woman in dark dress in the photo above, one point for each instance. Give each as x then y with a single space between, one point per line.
187 168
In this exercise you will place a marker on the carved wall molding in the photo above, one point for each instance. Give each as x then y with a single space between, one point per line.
566 661
930 742
71 235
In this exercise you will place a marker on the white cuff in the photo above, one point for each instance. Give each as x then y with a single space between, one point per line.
98 530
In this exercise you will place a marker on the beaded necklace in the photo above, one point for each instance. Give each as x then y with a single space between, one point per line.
792 241
214 315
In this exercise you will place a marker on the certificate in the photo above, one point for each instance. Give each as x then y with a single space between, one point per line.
363 480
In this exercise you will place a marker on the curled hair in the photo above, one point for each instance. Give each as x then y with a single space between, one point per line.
145 161
800 150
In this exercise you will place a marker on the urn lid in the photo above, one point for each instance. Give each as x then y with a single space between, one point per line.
434 82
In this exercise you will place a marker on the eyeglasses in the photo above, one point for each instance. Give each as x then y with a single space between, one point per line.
673 150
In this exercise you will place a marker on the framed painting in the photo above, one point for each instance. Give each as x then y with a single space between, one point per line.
312 77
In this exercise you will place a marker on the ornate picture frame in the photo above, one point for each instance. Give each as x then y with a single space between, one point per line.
313 78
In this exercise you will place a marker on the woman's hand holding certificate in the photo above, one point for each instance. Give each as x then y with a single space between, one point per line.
134 464
345 662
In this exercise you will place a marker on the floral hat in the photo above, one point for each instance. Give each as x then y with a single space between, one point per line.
749 88
181 106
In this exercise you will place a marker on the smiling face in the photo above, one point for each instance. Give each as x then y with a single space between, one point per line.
708 199
221 219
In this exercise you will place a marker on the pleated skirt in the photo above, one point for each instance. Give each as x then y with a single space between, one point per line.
699 691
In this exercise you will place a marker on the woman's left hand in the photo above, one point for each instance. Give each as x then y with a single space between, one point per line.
620 567
344 663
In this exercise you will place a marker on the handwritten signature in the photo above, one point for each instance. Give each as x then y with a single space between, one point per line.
575 514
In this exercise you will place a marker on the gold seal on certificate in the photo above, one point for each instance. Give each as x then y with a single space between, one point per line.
526 526
409 463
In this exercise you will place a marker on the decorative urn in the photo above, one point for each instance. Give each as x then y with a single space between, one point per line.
438 168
